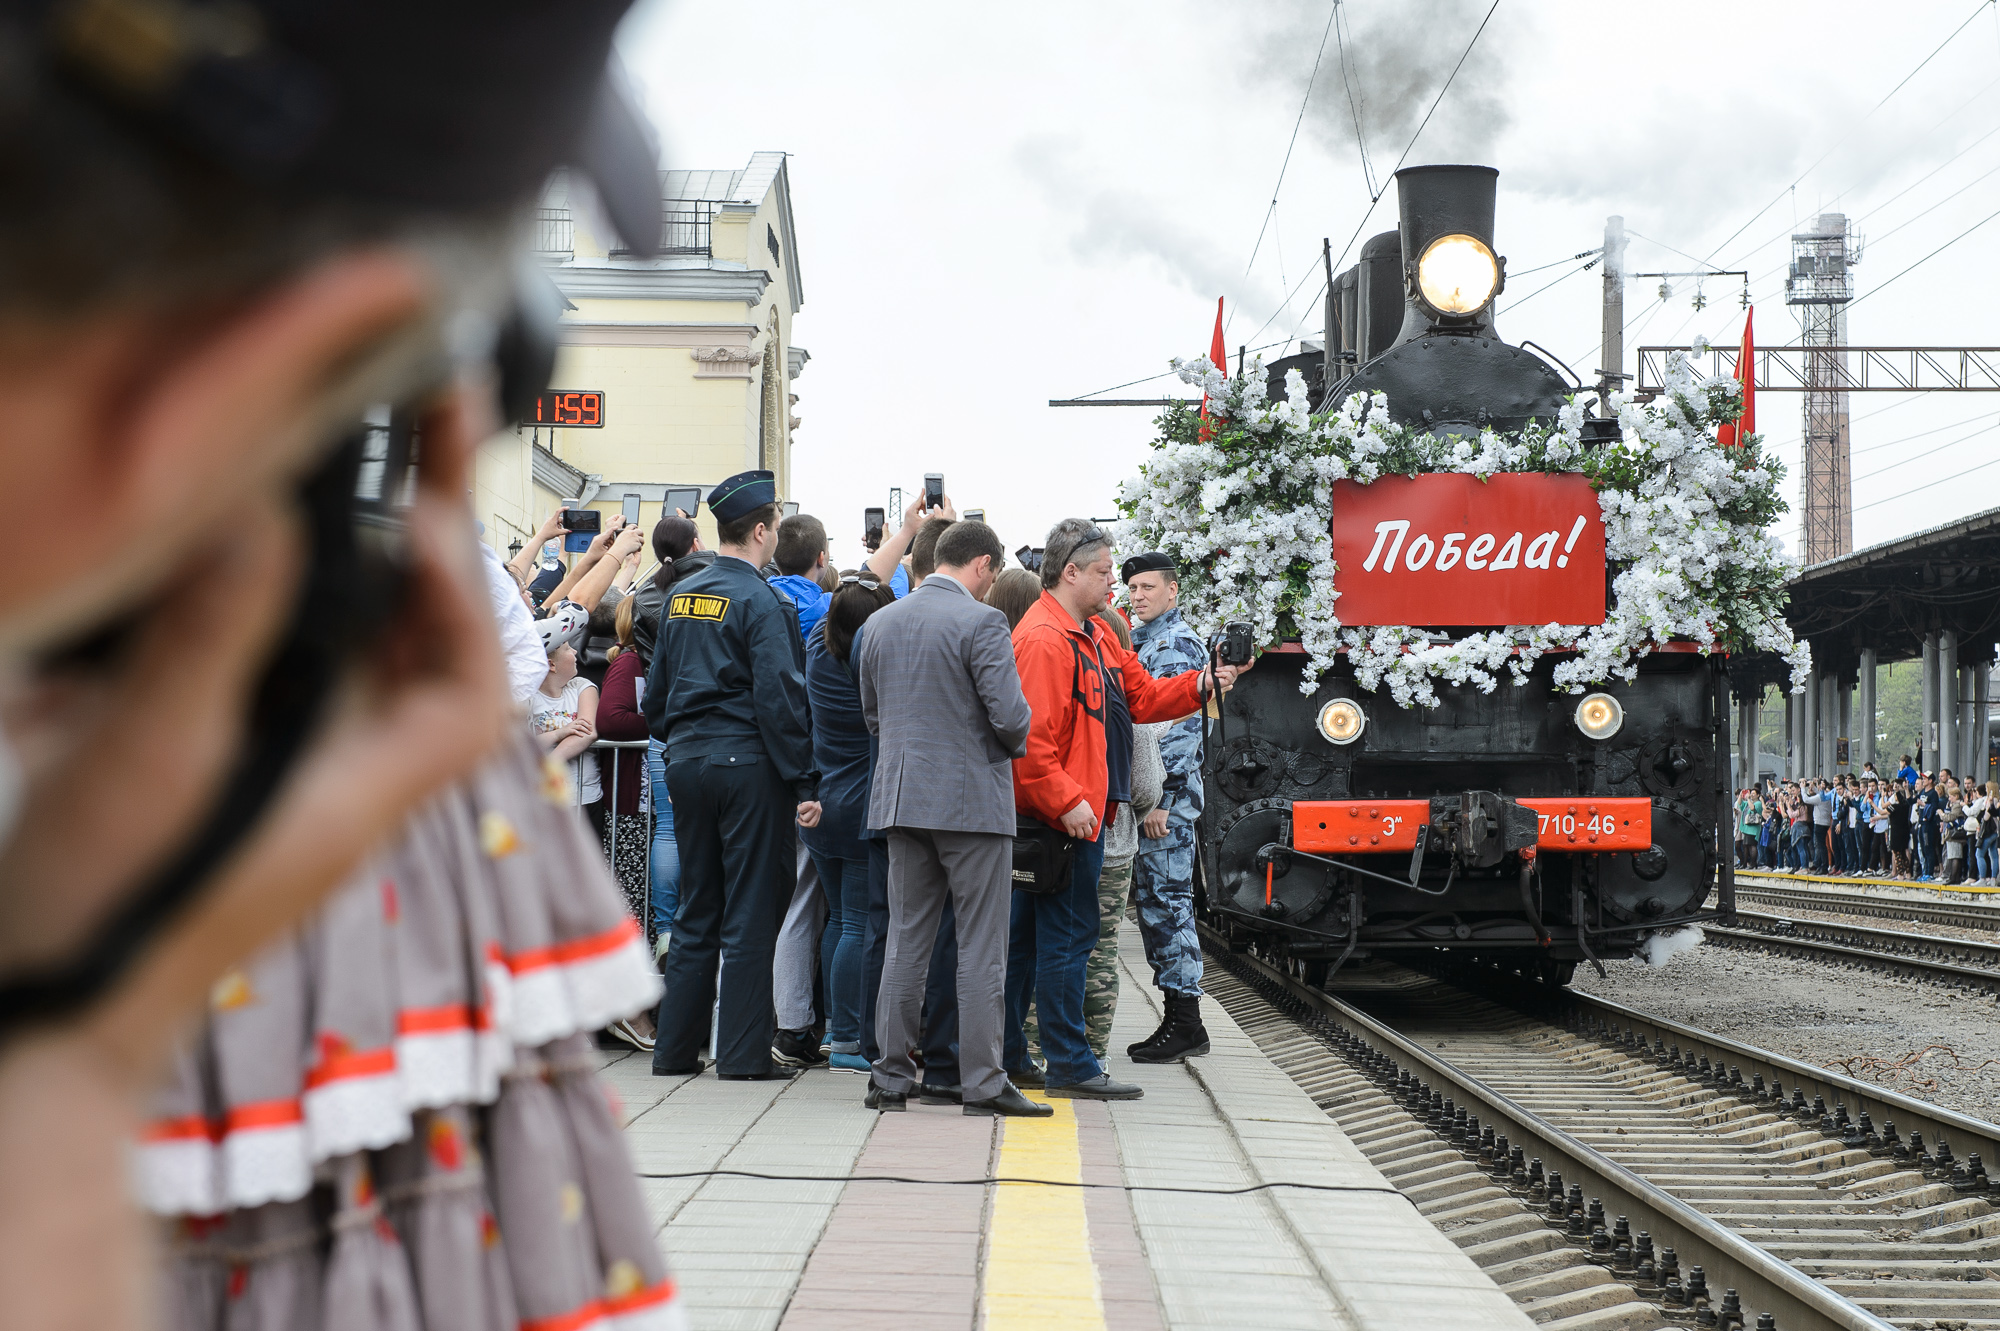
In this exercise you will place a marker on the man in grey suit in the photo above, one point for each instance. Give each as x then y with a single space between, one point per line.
941 695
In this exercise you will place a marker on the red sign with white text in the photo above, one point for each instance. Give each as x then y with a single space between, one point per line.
1447 549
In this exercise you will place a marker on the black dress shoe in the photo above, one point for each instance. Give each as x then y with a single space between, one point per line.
694 1071
1034 1076
1010 1103
940 1095
774 1074
888 1102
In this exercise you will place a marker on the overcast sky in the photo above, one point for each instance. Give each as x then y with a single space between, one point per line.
999 207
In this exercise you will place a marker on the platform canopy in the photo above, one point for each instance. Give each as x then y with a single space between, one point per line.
1889 596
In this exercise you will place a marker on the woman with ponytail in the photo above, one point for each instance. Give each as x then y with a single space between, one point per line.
677 545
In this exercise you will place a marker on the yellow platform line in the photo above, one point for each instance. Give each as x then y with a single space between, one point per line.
1864 883
1039 1271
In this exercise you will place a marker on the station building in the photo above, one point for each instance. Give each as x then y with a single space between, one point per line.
673 372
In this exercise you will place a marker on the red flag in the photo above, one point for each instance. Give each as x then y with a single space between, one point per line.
1218 354
1746 374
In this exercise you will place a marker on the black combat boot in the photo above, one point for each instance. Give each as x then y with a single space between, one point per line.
1186 1037
1166 1024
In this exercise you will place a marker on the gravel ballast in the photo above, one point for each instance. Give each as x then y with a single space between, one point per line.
1912 1036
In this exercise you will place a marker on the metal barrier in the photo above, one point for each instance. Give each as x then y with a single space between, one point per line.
611 812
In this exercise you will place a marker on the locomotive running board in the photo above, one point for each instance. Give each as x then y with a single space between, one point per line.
1380 827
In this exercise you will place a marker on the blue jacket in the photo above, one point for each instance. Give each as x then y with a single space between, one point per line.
808 596
1166 646
840 749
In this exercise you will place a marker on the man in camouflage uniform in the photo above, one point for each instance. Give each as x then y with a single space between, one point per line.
1163 873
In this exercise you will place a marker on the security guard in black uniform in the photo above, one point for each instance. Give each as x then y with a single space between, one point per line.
726 695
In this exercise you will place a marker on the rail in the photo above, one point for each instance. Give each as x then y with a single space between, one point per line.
1730 1261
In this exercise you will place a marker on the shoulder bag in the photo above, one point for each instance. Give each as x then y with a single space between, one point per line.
1044 857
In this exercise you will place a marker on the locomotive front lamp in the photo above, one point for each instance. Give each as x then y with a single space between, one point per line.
1342 721
1458 274
1599 716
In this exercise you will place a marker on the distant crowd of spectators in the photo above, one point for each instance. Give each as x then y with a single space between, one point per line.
1923 826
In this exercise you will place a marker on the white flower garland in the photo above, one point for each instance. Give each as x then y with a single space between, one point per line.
1241 505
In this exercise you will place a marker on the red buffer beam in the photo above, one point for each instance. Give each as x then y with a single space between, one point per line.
1363 827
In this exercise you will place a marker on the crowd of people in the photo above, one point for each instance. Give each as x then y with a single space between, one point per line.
840 769
1926 827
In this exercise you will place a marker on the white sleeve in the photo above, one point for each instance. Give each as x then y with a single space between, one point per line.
527 663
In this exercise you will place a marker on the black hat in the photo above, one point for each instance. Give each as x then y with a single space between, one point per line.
1155 562
745 492
419 103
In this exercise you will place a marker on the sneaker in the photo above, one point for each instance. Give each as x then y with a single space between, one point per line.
1100 1087
847 1063
796 1049
623 1029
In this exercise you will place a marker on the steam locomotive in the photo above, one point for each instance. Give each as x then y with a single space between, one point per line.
1523 826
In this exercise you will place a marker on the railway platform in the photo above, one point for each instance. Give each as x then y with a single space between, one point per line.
1224 1198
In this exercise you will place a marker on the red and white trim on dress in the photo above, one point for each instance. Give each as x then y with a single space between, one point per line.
263 1152
655 1308
353 1100
610 975
175 1170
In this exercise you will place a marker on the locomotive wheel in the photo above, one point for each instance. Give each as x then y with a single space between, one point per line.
1297 890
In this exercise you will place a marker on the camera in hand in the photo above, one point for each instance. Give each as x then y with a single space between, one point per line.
1237 644
1030 558
933 490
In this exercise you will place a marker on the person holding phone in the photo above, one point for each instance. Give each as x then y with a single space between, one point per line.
1063 654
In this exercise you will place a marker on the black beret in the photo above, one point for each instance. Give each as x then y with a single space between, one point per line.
745 492
1155 562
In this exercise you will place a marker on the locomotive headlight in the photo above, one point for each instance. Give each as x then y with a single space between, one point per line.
1599 716
1457 274
1342 721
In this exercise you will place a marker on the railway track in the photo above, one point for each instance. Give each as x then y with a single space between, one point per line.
1820 1201
1786 894
1962 963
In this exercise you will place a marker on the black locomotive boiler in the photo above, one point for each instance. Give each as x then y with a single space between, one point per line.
1525 826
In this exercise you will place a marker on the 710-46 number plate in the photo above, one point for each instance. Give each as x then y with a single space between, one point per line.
1363 827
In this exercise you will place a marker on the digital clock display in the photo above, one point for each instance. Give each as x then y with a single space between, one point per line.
570 408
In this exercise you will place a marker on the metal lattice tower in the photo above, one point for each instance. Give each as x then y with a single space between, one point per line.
1819 288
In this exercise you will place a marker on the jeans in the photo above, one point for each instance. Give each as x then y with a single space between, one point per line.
845 883
1989 857
666 889
940 1049
1048 952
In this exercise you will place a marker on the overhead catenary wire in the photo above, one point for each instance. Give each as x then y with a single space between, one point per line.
1881 287
1942 480
1376 195
1837 143
1291 143
1355 101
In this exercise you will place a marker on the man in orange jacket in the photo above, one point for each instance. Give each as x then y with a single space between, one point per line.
1063 659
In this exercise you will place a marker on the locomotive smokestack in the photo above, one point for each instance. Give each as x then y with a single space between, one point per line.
1450 271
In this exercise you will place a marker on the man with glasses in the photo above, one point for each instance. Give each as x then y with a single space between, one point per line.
1064 657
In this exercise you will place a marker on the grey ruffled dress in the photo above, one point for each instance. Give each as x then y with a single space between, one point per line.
391 1119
